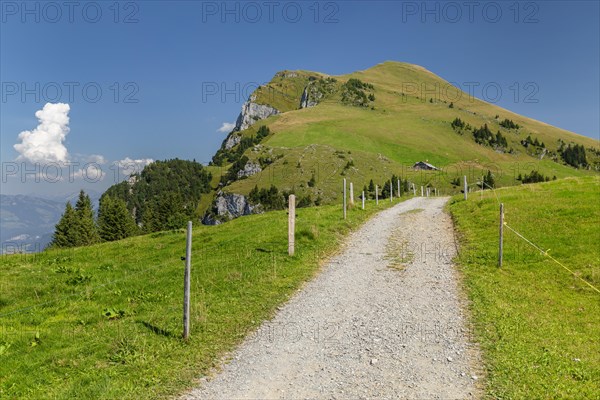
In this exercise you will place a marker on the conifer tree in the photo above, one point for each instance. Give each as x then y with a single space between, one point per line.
170 211
114 220
254 196
385 190
529 140
489 181
64 232
85 226
371 186
149 221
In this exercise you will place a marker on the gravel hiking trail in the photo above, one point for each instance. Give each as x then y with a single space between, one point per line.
384 319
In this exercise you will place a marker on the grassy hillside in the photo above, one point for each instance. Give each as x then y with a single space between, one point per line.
536 322
409 121
105 321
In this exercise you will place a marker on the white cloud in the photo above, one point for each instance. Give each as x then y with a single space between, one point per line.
226 127
45 143
127 166
97 159
90 173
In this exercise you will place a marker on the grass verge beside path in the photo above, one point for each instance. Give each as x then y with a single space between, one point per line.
537 324
105 321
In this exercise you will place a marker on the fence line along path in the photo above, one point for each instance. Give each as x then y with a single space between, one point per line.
382 320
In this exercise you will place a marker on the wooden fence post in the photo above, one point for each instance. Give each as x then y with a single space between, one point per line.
376 194
291 224
414 189
391 192
344 198
186 282
351 194
501 244
363 200
399 191
465 187
421 191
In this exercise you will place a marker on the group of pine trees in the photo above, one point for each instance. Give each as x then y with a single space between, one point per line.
489 182
354 93
574 155
508 124
273 199
458 124
270 199
78 227
528 141
484 136
164 196
534 177
384 190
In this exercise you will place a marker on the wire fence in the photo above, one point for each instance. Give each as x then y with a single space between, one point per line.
55 312
85 325
212 264
530 242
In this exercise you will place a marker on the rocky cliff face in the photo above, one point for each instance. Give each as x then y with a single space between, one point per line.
251 168
317 90
233 140
229 206
252 112
310 97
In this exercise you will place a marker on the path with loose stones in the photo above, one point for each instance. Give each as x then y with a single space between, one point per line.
363 329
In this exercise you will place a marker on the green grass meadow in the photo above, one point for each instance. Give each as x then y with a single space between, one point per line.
106 321
537 324
406 124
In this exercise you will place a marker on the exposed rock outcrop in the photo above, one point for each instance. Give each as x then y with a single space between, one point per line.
316 91
233 140
229 206
286 74
310 97
252 112
251 168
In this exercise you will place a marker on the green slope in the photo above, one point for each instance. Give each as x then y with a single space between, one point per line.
105 321
402 126
537 323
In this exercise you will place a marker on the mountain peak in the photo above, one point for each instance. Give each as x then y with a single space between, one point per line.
373 123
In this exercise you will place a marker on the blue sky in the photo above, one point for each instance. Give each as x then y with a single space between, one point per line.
151 60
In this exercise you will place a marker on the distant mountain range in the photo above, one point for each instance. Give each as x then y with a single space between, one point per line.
27 222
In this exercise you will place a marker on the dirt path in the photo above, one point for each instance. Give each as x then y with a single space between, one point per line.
383 320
